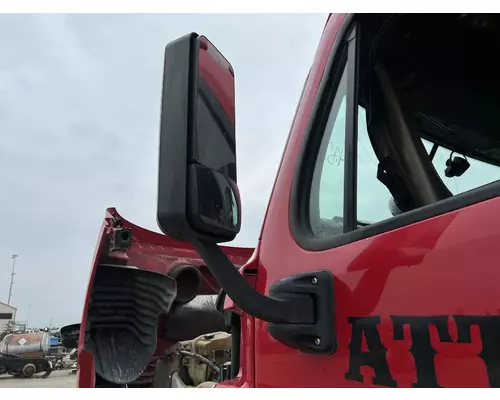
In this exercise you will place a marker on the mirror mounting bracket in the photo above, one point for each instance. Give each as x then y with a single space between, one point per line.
299 310
318 336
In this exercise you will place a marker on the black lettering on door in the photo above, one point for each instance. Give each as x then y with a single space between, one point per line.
375 357
421 347
489 328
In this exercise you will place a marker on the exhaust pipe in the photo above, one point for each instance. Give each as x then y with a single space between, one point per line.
189 282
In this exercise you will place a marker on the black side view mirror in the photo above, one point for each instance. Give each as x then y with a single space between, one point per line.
197 193
70 336
198 199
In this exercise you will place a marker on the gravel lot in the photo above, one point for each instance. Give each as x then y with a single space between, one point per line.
58 379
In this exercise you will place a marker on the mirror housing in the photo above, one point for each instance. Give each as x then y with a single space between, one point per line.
70 336
197 193
198 199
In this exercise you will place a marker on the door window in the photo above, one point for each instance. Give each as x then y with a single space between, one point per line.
373 195
327 194
344 177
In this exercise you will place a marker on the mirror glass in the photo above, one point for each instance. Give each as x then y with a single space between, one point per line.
213 144
214 198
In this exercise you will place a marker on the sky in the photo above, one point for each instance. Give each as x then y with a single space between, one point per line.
79 116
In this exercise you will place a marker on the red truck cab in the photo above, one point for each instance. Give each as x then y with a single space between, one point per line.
375 262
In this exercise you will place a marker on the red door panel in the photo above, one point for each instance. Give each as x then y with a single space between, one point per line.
423 299
416 306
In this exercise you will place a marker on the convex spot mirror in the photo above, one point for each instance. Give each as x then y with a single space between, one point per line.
197 193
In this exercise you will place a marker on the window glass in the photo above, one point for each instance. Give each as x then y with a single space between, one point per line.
373 198
478 174
373 195
327 194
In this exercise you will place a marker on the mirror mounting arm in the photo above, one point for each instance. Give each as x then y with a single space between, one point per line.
293 309
299 310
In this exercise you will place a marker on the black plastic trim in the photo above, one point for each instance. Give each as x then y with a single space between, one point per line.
299 214
351 136
177 107
121 239
234 321
318 337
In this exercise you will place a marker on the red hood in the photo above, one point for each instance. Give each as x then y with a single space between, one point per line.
124 308
159 253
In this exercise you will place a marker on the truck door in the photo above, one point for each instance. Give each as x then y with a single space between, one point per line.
415 284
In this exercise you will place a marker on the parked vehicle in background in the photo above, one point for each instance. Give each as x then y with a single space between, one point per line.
24 354
25 367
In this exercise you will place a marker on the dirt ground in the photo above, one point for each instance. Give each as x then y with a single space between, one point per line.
57 379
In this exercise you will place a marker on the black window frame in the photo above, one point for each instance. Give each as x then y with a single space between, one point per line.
5 316
299 218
